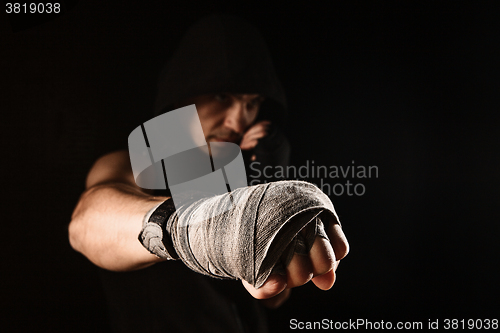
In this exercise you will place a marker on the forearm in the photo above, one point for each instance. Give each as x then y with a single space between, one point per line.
106 223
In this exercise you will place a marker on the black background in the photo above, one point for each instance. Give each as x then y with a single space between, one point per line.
409 87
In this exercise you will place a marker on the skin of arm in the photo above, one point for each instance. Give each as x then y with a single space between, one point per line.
108 216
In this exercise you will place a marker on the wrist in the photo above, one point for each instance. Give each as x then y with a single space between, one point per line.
154 236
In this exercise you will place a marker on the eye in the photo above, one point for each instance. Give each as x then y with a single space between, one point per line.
223 98
254 103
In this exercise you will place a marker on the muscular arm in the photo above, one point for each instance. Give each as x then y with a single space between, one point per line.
108 217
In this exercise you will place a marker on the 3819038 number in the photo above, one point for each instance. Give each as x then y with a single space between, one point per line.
471 324
32 8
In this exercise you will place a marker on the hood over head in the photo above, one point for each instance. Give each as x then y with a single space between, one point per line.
221 53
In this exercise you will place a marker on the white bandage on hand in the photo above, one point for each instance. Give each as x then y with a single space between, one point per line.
258 233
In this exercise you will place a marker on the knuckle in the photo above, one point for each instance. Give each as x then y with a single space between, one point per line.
341 249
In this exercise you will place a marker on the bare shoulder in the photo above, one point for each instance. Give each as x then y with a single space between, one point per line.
112 167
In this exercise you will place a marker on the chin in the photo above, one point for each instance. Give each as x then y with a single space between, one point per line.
222 140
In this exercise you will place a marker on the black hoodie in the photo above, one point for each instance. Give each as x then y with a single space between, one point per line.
221 53
218 54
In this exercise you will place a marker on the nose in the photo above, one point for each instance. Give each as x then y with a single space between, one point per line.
236 117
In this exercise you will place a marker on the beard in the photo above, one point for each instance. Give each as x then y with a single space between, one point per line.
224 135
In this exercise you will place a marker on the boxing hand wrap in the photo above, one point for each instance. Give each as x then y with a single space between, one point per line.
153 235
256 235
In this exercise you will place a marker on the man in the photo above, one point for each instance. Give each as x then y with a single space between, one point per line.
223 67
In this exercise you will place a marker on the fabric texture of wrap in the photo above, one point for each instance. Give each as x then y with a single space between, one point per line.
152 235
258 233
